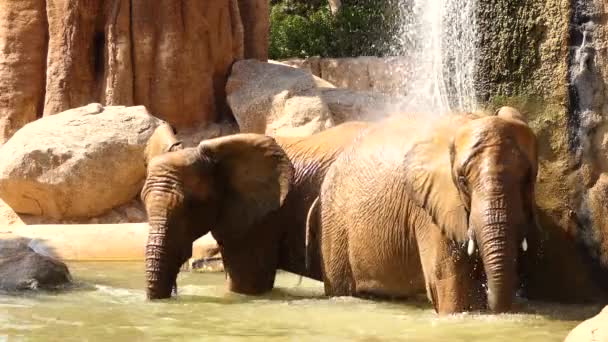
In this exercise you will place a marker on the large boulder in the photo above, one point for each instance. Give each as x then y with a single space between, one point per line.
79 163
593 329
25 266
277 99
273 98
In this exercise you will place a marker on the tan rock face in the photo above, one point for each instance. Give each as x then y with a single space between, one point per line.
533 56
79 163
276 99
272 98
171 56
382 75
22 63
593 329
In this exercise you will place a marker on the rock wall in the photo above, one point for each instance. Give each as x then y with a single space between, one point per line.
550 58
171 56
382 75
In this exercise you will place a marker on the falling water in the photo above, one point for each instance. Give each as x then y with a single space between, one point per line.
438 37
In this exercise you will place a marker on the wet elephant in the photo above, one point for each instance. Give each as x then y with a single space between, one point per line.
253 193
441 205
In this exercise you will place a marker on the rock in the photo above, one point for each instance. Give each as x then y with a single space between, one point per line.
256 25
311 64
171 56
25 266
593 329
80 163
276 99
22 63
386 75
206 256
532 55
191 137
335 6
348 105
81 242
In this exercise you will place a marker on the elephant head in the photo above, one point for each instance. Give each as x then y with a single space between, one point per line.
224 185
477 183
163 140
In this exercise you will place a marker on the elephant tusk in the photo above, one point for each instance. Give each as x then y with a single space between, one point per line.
471 247
524 245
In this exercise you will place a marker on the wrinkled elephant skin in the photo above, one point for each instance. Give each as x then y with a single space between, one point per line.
435 204
251 191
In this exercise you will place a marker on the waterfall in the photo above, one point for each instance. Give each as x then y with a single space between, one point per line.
438 38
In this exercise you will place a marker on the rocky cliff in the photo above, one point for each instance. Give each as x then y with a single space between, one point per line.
550 58
173 56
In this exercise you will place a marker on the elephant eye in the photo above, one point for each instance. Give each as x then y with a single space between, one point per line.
462 181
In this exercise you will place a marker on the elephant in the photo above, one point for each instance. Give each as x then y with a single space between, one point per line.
252 192
441 205
162 140
23 268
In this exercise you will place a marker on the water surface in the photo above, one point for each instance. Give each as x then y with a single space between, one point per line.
110 305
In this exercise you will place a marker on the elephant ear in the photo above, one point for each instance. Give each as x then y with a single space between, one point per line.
162 140
253 176
430 185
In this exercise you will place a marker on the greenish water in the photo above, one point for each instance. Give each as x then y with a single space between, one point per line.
109 304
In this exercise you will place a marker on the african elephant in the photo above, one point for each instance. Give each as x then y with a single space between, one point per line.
163 140
251 191
442 204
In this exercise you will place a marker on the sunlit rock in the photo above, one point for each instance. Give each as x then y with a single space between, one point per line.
79 163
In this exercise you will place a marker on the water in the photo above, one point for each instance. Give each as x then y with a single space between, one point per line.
109 305
438 37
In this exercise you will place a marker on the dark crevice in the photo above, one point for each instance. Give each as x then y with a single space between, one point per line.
132 54
41 102
99 43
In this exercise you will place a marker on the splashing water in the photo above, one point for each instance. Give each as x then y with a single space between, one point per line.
438 38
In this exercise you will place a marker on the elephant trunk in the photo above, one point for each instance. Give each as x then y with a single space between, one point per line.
161 264
498 250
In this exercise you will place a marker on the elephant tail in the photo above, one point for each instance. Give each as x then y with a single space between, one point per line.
312 215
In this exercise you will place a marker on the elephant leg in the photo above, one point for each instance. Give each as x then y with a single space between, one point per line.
337 273
251 271
448 270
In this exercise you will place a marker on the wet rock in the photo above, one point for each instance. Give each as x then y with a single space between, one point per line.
80 163
593 329
26 265
545 58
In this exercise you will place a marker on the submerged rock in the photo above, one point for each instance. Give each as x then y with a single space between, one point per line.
26 265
